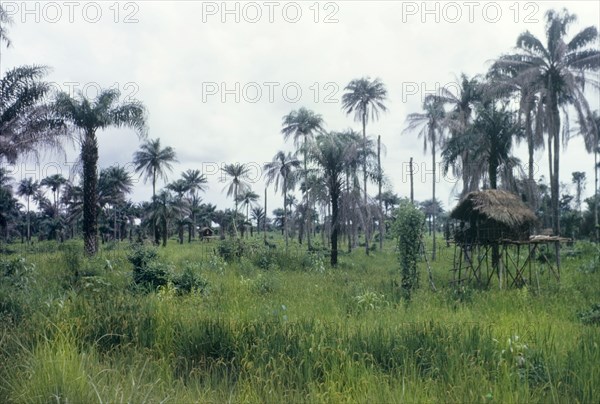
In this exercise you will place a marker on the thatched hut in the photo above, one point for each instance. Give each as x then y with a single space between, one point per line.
492 215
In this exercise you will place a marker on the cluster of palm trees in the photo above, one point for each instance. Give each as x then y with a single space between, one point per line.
523 96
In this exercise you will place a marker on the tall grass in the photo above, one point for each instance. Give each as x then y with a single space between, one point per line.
271 328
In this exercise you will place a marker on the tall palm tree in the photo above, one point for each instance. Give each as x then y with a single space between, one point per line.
238 184
458 119
180 188
54 182
579 181
28 188
247 199
258 214
489 142
281 171
430 126
592 145
87 117
196 182
365 97
331 153
558 71
152 161
302 125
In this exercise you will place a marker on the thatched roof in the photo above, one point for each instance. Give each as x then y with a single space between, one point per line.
500 206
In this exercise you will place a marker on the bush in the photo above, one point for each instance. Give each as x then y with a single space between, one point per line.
408 227
591 316
148 272
231 250
190 280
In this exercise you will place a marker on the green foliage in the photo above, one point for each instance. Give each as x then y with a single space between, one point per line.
591 316
409 228
190 280
148 272
231 249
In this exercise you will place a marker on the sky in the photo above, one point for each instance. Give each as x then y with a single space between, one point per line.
217 77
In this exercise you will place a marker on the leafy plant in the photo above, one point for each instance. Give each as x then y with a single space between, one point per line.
408 228
147 270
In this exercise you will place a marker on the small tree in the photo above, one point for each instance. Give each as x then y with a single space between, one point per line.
409 228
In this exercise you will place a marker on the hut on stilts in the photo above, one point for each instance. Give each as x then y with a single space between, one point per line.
493 239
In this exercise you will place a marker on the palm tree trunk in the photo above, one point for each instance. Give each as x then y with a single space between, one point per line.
28 223
265 218
379 179
596 189
433 215
307 212
89 154
154 227
285 232
366 202
412 188
334 226
530 175
551 177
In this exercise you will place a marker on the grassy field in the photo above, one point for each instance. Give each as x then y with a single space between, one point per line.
271 327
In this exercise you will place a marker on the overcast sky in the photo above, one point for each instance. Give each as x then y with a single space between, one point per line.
217 79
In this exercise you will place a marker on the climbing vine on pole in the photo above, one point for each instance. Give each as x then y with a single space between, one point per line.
409 229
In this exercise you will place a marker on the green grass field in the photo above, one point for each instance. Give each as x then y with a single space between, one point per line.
290 330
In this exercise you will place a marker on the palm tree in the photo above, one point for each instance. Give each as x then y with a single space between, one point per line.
302 125
258 214
281 171
152 162
430 124
592 144
87 117
458 120
114 183
579 181
5 20
247 199
27 124
54 182
238 173
331 153
489 143
196 182
365 97
164 209
28 188
557 70
180 187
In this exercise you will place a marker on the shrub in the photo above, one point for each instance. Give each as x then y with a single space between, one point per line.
591 316
148 272
408 227
190 280
231 250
